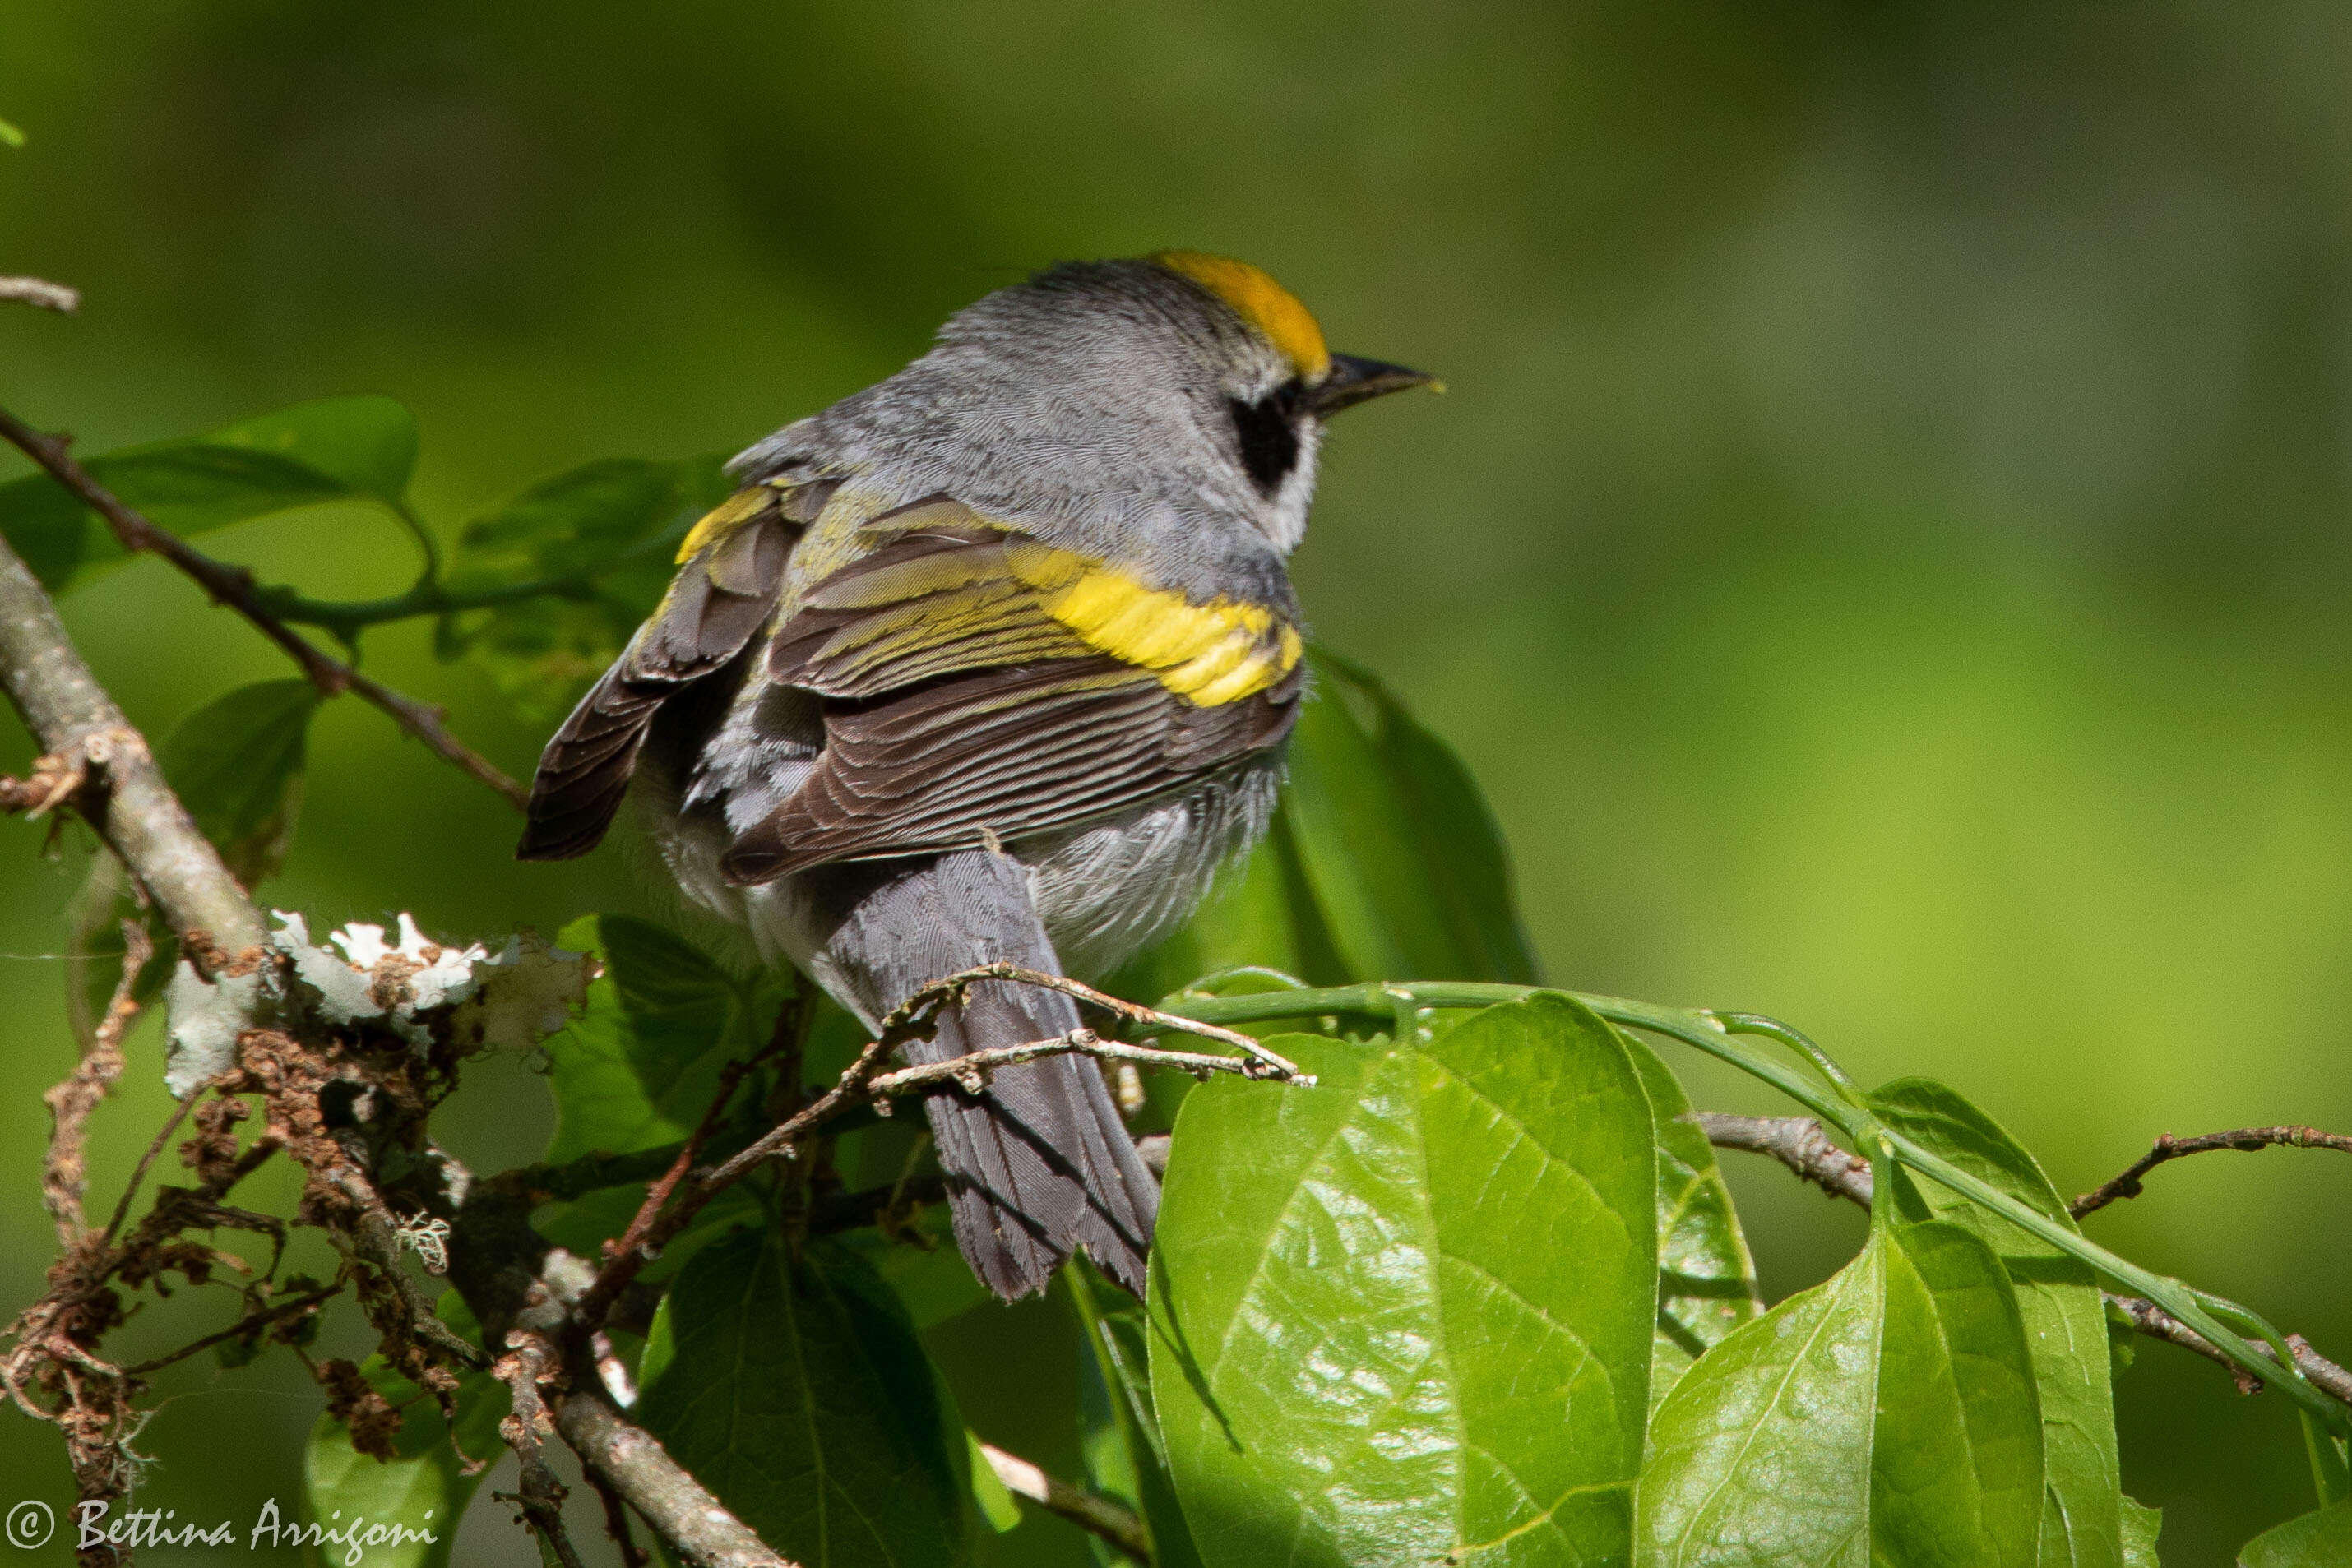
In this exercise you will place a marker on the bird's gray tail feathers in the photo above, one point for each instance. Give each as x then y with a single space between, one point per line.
1038 1162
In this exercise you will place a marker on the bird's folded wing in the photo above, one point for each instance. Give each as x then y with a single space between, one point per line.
731 571
980 685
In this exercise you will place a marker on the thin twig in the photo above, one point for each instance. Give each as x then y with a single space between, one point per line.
2168 1149
780 1040
64 1174
864 1083
238 1330
1133 1012
40 291
1799 1142
970 1072
234 586
1090 1512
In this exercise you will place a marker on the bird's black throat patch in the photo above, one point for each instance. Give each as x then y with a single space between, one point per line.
1268 432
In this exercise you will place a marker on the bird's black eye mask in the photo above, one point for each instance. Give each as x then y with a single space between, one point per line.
1268 434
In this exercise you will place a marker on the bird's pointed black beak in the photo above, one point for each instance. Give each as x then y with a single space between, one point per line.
1351 381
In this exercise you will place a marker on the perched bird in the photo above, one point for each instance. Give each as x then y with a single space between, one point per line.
993 659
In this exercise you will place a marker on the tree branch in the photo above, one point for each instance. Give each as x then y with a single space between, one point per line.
234 586
1094 1514
40 291
130 806
1799 1142
2168 1149
539 1496
701 1530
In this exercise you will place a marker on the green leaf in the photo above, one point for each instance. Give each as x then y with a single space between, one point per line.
797 1392
2142 1525
1118 1432
1398 847
236 764
10 135
607 530
1956 1469
1886 1416
335 449
1407 1314
2321 1540
932 1281
1706 1280
1760 1455
997 1509
638 1066
2064 1314
423 1489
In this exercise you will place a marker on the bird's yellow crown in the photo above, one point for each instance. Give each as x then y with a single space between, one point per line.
1259 300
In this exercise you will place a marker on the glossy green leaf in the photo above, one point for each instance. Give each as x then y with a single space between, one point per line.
1397 847
1884 1417
335 449
609 529
797 1392
423 1487
1118 1432
1956 1469
2064 1314
1407 1314
236 764
1760 1457
1706 1280
2141 1526
2321 1540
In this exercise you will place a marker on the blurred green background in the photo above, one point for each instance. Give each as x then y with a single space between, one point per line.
1883 548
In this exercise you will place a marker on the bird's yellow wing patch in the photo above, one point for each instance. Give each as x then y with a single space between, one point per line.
1212 653
723 519
1262 302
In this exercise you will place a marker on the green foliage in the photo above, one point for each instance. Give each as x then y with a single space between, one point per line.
1707 1281
2321 1540
424 1487
795 1390
2141 1526
1887 1415
336 449
2059 1301
1118 1423
603 534
1364 1348
1396 843
236 764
